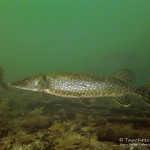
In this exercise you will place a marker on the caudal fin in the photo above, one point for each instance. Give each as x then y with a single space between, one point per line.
144 93
2 83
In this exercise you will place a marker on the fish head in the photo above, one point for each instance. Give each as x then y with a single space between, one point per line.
34 83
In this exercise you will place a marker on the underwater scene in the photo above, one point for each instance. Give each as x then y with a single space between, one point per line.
74 75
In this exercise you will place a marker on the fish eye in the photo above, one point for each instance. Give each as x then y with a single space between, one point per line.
35 83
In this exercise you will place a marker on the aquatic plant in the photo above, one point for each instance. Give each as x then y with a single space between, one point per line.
4 107
2 82
36 122
37 111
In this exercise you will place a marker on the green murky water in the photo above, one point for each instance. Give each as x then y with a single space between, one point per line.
79 36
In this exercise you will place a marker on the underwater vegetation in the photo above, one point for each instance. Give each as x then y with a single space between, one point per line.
2 82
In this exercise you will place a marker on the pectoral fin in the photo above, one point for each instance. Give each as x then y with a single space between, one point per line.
124 101
47 97
86 101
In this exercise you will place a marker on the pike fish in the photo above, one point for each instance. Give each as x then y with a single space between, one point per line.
87 86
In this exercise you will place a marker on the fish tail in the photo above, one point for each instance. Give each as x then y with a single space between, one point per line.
2 82
144 93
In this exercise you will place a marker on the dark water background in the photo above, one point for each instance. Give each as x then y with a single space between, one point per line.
98 36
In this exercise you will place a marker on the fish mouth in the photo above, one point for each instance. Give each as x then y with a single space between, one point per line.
16 85
19 86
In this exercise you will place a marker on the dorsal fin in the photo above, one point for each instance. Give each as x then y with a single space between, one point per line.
125 75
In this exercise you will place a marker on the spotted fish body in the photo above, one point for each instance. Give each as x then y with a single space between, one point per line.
81 86
85 86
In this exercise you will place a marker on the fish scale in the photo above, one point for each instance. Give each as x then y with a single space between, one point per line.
87 86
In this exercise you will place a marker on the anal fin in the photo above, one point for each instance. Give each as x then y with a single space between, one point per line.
124 101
